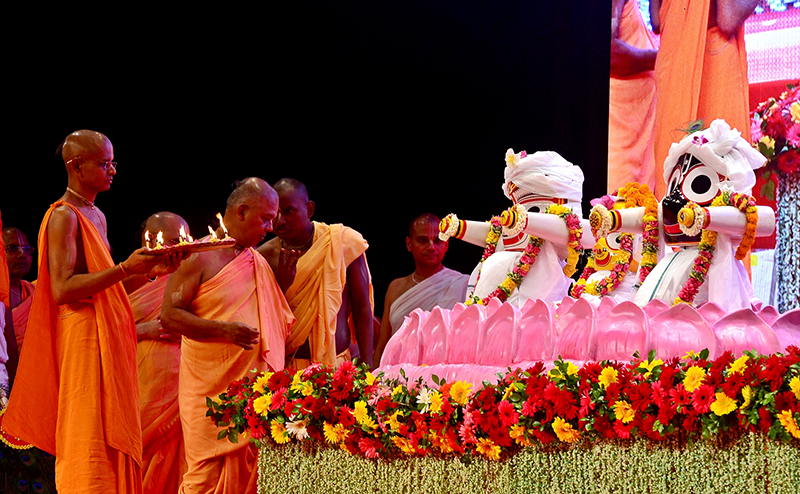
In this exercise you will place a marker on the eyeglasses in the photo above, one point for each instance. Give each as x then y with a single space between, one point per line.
104 164
13 249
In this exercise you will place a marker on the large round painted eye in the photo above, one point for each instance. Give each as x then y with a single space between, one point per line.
701 185
537 205
614 241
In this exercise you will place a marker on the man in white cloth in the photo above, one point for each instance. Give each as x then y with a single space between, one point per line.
697 169
429 285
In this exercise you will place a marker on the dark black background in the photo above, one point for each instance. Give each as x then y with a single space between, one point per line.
385 109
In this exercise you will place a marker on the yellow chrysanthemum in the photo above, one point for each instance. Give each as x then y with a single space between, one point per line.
789 423
460 392
623 411
767 141
403 444
517 433
794 385
737 367
564 431
262 403
397 390
649 366
278 432
298 376
558 209
608 376
394 423
723 404
261 383
436 402
555 373
694 378
747 394
488 448
440 442
369 378
794 109
360 411
334 434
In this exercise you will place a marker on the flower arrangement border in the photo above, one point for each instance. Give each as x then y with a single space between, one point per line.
646 398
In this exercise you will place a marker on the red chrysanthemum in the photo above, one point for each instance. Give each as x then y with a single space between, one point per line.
702 398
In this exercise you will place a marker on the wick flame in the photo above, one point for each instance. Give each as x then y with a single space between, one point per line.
160 238
147 237
213 235
184 236
219 217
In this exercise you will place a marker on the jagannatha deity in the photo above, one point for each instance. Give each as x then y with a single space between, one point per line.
708 221
532 248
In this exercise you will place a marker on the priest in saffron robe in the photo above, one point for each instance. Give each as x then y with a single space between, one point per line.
701 70
632 98
82 404
19 254
332 288
431 284
158 357
229 308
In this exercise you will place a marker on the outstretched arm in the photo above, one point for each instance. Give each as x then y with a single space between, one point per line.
65 256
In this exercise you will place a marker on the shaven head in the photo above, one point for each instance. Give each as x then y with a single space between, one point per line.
249 189
83 143
249 212
169 224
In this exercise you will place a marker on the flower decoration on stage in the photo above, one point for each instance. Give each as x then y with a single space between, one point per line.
775 132
693 218
350 408
512 159
640 195
509 219
574 244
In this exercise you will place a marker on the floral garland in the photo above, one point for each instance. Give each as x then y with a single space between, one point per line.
693 218
574 244
509 219
610 282
637 195
350 408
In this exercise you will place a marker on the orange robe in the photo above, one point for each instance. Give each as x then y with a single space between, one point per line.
316 293
77 393
632 111
245 290
700 74
163 457
22 312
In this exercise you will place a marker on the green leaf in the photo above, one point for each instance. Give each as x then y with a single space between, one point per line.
768 190
222 433
233 437
704 354
651 356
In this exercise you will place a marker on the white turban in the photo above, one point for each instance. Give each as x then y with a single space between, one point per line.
545 173
724 150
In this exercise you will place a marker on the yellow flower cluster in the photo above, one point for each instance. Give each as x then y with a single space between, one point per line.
460 392
694 378
564 431
623 411
723 404
608 376
789 423
334 434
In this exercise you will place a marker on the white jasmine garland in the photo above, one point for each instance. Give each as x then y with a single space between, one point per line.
699 220
605 221
452 227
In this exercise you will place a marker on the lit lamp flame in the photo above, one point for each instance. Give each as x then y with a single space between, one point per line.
159 240
214 237
219 217
185 238
147 238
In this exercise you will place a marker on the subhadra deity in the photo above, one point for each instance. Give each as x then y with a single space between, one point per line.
708 221
611 269
531 249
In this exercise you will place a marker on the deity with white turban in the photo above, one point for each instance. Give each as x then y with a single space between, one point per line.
709 219
526 246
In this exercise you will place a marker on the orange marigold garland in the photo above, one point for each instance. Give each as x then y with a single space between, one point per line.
689 222
638 195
